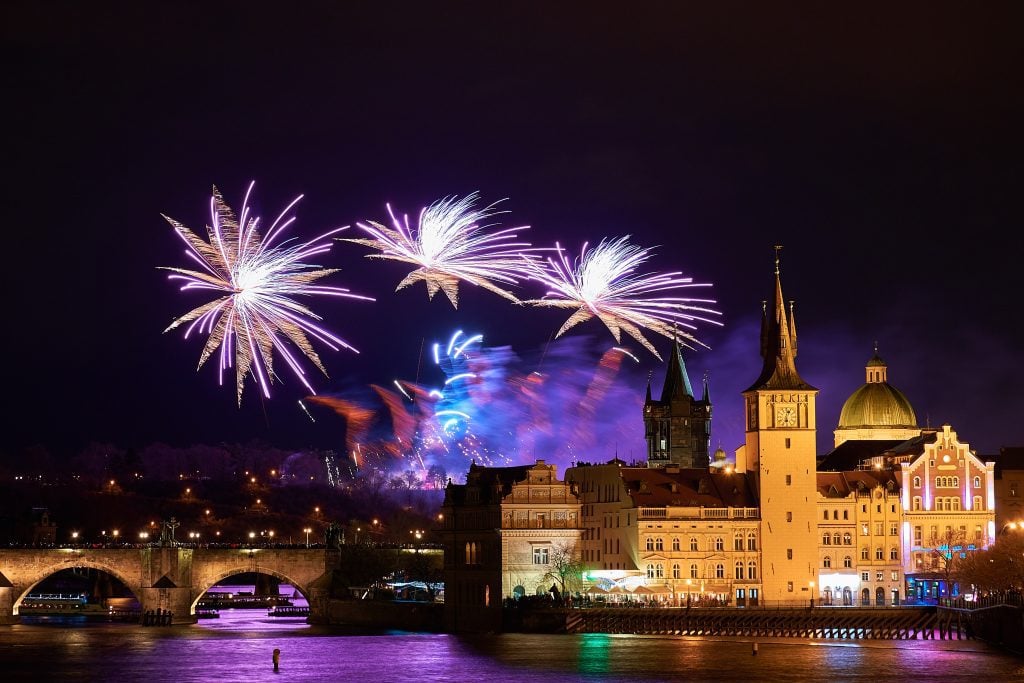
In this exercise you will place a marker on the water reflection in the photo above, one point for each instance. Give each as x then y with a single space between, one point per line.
239 647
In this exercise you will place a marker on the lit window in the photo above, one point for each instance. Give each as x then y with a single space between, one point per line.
751 570
540 555
827 562
847 562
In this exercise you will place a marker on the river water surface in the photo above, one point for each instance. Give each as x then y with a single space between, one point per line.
239 647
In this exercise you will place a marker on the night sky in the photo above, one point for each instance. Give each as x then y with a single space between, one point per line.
880 145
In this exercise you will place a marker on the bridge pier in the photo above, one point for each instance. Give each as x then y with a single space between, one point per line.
7 598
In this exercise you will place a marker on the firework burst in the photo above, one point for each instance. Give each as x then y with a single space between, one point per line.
256 313
449 244
604 282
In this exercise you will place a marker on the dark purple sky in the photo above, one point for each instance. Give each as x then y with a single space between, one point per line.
881 146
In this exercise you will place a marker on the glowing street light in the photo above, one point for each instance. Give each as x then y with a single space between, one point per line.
812 594
308 531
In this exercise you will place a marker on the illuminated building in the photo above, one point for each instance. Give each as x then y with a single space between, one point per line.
918 498
504 531
686 535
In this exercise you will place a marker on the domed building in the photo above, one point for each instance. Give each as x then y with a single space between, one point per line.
877 411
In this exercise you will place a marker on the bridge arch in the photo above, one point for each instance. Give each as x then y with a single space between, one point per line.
201 589
30 581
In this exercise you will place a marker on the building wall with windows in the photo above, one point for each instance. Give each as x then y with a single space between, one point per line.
948 505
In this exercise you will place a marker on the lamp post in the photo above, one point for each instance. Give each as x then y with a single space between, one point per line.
307 531
812 595
688 583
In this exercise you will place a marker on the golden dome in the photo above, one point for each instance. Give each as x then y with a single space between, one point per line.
877 403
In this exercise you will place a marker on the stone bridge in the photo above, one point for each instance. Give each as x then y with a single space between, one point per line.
167 578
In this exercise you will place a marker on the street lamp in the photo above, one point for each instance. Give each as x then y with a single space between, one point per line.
688 583
812 594
307 531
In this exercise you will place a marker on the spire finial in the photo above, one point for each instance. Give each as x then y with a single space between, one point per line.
876 347
778 248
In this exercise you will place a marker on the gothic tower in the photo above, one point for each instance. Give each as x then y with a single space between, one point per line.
780 453
677 427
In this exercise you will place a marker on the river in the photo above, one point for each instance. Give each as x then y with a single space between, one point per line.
239 647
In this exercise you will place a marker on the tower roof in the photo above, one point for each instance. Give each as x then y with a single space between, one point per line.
778 343
677 380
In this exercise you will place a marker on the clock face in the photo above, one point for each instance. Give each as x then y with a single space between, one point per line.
785 416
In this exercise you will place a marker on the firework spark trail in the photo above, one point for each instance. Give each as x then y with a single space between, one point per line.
357 418
573 410
256 314
604 282
451 244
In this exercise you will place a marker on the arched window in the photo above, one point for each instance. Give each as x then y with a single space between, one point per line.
659 544
826 538
675 544
917 482
865 553
917 503
847 562
693 544
847 538
693 571
719 571
719 543
977 503
879 553
835 538
650 544
737 542
751 570
675 570
827 562
659 571
650 571
894 553
739 570
751 541
977 482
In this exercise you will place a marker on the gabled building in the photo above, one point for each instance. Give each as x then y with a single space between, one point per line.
502 530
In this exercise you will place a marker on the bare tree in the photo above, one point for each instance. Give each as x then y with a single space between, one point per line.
949 549
566 568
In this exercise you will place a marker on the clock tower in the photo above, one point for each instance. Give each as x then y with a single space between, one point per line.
779 453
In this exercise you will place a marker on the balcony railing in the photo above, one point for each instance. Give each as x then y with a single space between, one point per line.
698 513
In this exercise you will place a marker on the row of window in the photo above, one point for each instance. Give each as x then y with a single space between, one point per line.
947 482
948 537
714 544
946 503
657 571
